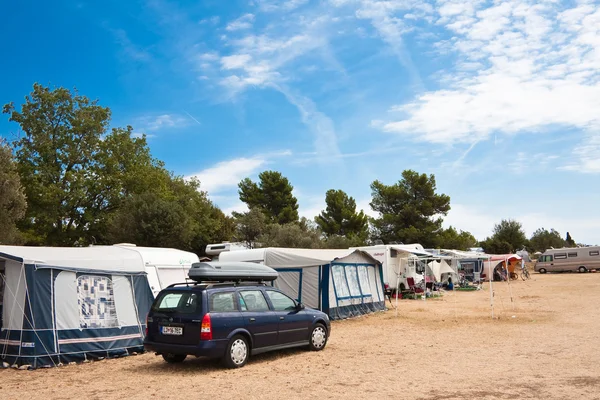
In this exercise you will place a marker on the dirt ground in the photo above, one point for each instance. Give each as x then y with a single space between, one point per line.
448 348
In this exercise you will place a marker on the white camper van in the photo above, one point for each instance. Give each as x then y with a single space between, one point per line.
213 250
580 259
399 261
164 266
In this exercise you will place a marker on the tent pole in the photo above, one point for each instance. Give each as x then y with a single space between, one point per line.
397 288
491 288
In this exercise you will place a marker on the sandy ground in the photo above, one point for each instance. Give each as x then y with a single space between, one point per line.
446 348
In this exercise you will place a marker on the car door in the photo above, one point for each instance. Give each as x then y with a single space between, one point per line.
260 321
293 323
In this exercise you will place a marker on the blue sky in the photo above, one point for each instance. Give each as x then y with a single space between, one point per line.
499 99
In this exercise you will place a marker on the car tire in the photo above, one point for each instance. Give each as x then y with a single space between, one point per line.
582 270
318 338
542 270
174 358
238 352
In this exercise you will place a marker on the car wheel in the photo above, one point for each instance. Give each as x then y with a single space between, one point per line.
174 358
582 269
318 338
542 270
237 352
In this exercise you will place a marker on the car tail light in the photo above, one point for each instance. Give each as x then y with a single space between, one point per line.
206 328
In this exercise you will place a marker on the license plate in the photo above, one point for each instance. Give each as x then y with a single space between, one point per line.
171 330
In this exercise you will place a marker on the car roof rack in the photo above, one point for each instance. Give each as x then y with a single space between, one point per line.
211 284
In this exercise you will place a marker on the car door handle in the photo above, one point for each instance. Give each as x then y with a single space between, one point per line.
281 317
252 319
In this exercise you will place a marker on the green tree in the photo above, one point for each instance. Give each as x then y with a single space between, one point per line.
495 246
272 195
340 217
73 172
249 226
302 234
569 240
12 197
452 239
542 239
511 232
409 211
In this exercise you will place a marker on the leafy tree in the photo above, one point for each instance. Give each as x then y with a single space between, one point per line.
340 217
511 232
495 246
72 171
452 239
249 226
272 195
542 239
12 197
148 219
569 240
410 210
295 235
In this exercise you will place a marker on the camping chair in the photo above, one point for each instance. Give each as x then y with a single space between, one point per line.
412 288
388 293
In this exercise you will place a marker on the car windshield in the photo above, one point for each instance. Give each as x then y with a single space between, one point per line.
177 301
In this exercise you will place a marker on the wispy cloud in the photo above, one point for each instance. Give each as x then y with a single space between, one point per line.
279 5
130 50
243 22
227 174
539 68
162 121
587 156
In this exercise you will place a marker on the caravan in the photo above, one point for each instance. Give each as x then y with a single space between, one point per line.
399 262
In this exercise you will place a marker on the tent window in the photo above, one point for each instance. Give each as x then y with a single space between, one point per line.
353 284
363 279
339 280
96 301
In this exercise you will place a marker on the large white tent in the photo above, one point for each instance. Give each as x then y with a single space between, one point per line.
342 283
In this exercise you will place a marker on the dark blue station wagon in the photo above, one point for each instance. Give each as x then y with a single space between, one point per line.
231 322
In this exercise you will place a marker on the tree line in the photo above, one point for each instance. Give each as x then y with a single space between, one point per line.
68 179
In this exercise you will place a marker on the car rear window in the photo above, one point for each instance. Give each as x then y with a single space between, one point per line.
177 302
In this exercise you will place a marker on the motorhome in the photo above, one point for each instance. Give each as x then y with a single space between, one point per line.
399 261
580 259
213 250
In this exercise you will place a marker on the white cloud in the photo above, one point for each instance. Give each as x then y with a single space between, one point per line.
228 174
243 22
521 67
163 121
280 5
236 61
587 157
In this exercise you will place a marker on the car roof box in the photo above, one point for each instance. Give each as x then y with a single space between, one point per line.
231 272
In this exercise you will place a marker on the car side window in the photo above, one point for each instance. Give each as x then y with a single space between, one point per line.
253 300
222 302
280 301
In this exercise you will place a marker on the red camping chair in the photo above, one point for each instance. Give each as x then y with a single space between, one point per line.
412 288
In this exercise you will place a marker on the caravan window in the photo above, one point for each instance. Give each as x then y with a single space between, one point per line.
96 301
573 254
560 256
594 253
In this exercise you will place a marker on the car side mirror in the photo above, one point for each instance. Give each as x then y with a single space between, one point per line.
299 306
